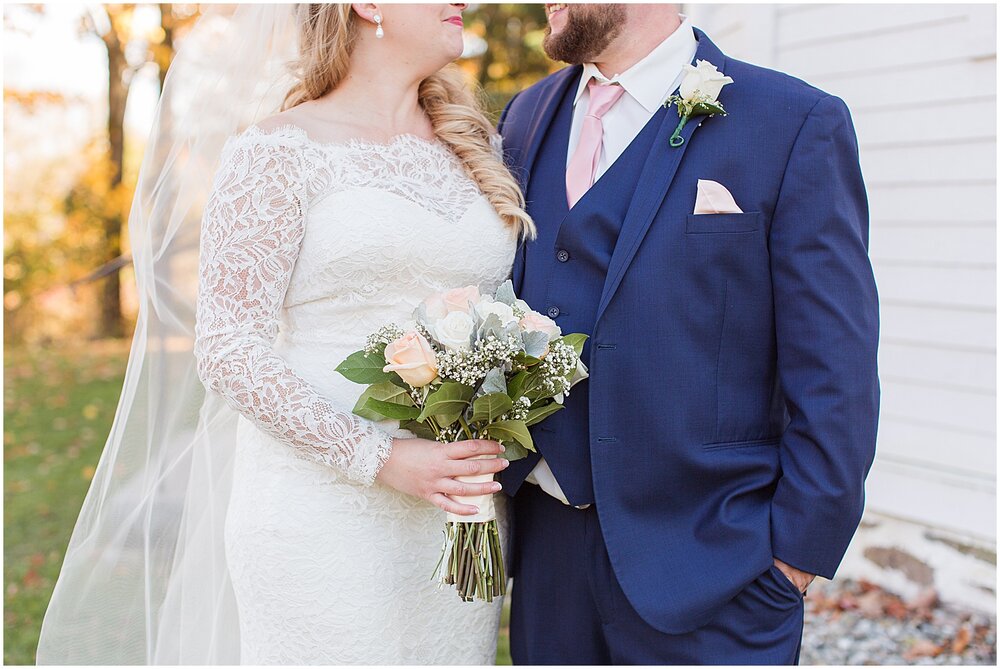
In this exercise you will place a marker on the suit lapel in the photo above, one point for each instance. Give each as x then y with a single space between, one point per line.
543 114
654 182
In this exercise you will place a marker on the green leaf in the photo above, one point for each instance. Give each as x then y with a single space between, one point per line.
387 392
421 430
514 451
515 386
526 360
488 408
709 108
364 369
511 431
576 340
450 399
534 385
391 410
536 416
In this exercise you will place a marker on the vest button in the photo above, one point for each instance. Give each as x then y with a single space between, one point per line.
553 312
563 255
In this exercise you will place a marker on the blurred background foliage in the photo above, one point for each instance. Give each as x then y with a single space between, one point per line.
66 261
70 163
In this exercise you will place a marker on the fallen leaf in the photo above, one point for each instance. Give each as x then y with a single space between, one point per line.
896 608
870 604
961 640
922 648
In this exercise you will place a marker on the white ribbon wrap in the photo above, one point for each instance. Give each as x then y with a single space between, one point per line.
487 510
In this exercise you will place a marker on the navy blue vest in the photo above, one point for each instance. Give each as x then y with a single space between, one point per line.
564 273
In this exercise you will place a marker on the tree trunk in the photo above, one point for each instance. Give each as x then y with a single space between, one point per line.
112 322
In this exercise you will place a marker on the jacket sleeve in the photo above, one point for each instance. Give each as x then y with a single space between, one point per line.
826 319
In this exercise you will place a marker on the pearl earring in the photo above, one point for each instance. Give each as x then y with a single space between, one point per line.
379 33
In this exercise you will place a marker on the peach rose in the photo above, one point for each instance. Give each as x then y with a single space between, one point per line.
536 322
457 299
412 358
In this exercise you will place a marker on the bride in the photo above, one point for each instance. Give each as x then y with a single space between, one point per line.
265 523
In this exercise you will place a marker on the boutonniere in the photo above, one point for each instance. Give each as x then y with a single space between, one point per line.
699 95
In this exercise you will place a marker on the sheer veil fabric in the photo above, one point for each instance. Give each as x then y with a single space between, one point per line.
145 580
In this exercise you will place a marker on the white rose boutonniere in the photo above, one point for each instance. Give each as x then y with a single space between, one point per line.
699 95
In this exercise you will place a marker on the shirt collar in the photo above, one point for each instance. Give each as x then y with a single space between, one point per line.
652 79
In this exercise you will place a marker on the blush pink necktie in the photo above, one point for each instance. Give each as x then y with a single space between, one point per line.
582 166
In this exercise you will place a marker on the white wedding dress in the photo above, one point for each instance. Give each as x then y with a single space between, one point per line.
307 247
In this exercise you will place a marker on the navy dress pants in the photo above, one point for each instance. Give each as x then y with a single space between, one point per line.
567 606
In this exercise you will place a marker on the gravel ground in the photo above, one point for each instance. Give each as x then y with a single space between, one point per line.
856 623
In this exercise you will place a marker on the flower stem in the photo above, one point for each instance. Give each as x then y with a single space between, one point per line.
676 139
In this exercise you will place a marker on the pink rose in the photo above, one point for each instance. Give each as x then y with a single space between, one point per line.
412 357
457 299
536 322
439 305
435 308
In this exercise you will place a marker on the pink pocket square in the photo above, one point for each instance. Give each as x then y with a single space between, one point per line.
713 198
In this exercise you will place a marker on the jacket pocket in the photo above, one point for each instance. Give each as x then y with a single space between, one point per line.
747 443
698 224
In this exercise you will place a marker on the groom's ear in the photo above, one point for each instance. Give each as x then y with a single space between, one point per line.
366 10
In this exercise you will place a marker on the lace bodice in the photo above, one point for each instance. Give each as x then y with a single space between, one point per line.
306 248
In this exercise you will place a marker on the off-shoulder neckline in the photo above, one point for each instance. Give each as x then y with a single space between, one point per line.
353 143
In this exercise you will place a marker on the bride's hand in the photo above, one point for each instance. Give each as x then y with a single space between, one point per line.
427 469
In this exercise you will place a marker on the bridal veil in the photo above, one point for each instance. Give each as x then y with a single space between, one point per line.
144 579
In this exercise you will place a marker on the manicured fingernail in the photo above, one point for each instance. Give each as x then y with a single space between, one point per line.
502 449
497 487
506 463
476 509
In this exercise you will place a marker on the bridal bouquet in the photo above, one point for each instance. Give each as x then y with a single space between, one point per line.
469 366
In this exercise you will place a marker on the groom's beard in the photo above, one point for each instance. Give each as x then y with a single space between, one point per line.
588 31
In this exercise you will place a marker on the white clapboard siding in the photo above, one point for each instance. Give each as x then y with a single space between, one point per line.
970 287
955 245
972 370
921 84
945 86
954 502
834 23
946 326
941 204
973 120
969 453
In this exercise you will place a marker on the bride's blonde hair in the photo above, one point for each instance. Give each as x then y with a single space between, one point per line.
327 34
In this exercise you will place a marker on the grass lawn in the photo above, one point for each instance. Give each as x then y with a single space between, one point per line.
58 407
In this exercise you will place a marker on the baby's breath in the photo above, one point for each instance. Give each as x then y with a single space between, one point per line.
383 336
557 365
520 409
450 434
471 366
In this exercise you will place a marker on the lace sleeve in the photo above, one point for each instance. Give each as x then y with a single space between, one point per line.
252 227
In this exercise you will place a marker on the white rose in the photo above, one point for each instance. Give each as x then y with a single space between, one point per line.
503 311
703 83
454 331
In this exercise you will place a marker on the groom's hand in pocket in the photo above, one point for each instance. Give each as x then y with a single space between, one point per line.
429 469
800 578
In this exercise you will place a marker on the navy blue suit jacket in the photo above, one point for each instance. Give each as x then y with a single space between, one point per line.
733 397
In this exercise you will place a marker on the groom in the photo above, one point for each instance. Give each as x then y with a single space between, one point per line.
714 462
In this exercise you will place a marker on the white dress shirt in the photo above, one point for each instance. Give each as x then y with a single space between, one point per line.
647 85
